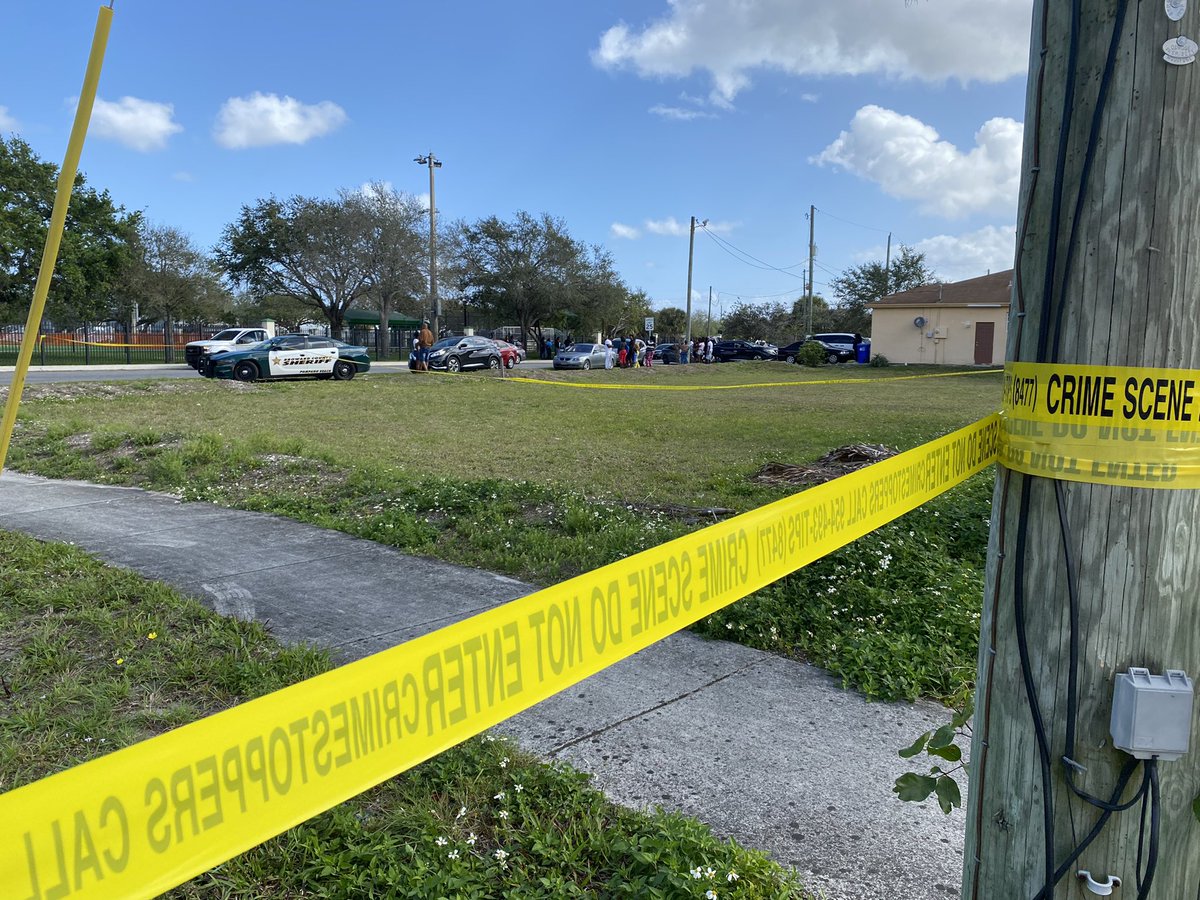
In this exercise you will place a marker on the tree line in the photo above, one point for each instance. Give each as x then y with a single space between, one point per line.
310 259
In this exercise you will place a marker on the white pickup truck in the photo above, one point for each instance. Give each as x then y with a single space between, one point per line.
197 352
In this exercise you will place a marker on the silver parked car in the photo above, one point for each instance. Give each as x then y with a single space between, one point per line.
580 356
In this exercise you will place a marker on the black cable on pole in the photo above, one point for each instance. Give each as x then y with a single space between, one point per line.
1110 64
1035 709
1145 880
1066 865
1060 166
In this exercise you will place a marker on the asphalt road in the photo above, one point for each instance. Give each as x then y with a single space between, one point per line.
53 374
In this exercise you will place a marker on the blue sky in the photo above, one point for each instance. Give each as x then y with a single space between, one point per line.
624 118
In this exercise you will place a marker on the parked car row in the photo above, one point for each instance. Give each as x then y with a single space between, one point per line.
837 346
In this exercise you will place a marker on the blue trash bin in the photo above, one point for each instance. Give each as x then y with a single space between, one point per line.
862 353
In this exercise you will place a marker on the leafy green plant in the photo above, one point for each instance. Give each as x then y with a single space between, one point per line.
941 745
880 361
811 354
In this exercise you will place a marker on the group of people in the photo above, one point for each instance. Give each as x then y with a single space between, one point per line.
548 349
627 353
701 350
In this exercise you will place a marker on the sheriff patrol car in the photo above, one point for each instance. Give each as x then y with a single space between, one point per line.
290 356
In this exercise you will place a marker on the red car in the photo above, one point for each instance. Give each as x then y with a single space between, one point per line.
510 354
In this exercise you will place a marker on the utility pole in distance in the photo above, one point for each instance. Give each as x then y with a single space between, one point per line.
435 302
691 253
1104 275
812 251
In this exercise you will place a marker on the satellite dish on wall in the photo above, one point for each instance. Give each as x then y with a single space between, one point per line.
919 321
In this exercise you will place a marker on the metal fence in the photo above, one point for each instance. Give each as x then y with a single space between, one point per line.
98 345
114 345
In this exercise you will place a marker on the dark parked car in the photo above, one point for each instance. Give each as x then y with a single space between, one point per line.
454 354
724 351
667 354
840 346
289 356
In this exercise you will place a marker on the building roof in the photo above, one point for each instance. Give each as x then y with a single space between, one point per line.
986 290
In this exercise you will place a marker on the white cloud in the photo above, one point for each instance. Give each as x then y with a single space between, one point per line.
184 176
955 257
952 39
7 122
672 226
669 225
627 232
264 119
809 97
141 125
906 158
679 113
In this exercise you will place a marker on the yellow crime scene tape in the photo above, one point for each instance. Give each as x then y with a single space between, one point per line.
144 819
736 387
1121 426
57 340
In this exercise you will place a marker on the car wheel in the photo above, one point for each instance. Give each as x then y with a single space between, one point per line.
245 371
494 362
343 370
509 363
587 364
832 358
791 359
453 364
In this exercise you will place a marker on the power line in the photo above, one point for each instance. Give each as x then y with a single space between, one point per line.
744 296
730 244
761 264
855 224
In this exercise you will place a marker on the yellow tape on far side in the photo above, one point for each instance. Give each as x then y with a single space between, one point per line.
608 386
144 819
1131 427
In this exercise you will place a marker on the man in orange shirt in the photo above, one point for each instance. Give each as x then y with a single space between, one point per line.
425 341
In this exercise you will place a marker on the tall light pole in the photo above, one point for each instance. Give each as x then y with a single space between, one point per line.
691 252
435 302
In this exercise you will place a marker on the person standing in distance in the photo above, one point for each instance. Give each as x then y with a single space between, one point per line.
426 339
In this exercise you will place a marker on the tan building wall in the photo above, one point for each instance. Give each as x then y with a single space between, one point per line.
948 336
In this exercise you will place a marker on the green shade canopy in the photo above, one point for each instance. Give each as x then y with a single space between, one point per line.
371 317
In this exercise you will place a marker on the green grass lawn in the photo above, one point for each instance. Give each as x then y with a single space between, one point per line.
544 481
97 658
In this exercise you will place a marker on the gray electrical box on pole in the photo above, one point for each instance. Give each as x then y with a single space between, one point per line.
1089 578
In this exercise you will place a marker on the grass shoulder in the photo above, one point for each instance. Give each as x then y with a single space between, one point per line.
895 614
100 658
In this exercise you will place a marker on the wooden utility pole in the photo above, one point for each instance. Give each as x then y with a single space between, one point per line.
812 251
687 337
1112 281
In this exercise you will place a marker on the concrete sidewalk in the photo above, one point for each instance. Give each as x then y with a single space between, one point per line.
766 750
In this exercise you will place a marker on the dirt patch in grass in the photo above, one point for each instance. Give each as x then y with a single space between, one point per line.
833 464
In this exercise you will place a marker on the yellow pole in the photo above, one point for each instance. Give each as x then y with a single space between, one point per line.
62 197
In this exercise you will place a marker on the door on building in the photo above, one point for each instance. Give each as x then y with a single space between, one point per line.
985 334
